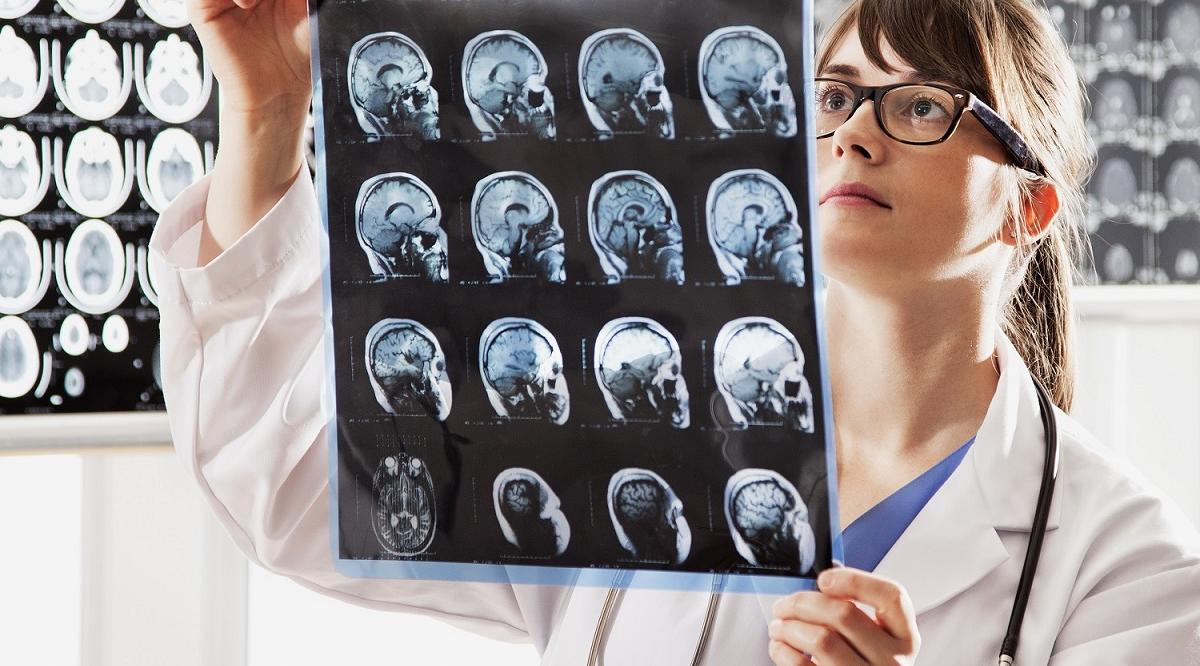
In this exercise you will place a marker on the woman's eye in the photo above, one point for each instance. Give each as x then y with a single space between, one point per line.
927 109
831 101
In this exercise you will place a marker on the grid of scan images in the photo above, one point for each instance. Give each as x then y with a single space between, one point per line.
1141 62
106 113
571 283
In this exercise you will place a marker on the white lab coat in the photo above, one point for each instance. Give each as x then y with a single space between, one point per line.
243 375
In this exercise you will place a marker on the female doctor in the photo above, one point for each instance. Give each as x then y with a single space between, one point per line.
949 274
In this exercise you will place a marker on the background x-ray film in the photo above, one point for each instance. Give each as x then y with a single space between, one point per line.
107 112
574 325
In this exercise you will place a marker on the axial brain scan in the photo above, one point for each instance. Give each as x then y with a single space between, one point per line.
1116 106
407 369
529 513
1183 183
1116 182
622 76
744 82
522 369
760 373
516 228
769 521
639 369
635 228
405 511
92 11
648 517
1117 30
504 76
753 228
1180 104
174 162
20 86
399 228
95 266
174 84
18 357
390 87
96 181
93 80
21 178
20 264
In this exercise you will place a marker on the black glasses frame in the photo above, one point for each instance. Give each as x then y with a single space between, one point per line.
964 100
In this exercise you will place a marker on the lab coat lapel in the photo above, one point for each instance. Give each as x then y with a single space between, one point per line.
953 542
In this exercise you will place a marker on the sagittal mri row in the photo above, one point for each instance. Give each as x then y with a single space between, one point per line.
621 74
767 519
751 219
758 367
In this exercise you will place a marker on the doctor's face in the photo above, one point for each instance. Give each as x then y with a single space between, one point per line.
943 203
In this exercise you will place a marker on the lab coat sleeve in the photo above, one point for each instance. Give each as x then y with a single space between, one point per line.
1137 598
242 359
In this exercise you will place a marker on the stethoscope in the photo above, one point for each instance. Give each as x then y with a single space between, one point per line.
1008 649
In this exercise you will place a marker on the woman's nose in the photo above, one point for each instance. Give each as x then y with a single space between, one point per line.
860 133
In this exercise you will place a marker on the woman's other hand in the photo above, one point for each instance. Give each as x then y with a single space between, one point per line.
828 629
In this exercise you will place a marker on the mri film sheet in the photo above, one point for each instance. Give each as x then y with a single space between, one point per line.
574 326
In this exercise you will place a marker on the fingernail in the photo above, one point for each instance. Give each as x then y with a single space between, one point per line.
827 580
774 627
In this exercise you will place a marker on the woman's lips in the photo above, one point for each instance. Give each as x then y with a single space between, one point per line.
852 200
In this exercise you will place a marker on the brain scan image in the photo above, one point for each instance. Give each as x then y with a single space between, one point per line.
1116 105
92 82
24 178
1180 104
1116 31
522 369
639 369
1182 28
1117 263
11 9
634 227
622 76
92 11
21 268
504 76
753 228
405 513
174 86
398 220
744 83
18 357
167 13
648 517
1183 184
769 521
95 182
529 513
22 82
759 370
1116 183
95 268
391 90
515 223
175 161
407 369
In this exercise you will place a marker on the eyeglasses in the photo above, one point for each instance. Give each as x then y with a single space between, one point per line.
919 114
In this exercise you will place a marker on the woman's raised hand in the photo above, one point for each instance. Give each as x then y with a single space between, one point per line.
828 629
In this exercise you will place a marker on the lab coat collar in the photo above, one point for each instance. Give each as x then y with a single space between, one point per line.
953 542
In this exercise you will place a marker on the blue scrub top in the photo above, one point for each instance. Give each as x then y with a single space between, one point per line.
871 535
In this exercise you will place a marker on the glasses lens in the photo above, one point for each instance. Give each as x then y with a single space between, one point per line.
834 102
918 113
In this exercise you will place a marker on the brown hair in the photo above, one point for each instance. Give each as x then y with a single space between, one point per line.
1009 53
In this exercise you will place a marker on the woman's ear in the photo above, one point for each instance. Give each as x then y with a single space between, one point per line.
1039 211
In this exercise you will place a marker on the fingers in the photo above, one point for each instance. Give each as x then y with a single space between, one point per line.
826 645
785 655
893 608
858 629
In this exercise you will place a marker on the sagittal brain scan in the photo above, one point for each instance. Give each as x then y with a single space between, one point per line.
95 267
639 369
391 88
94 179
399 225
504 76
20 266
92 11
93 81
174 86
522 369
634 227
648 517
175 161
407 369
759 370
769 521
18 357
516 228
22 81
529 513
405 511
24 178
744 82
623 79
167 13
753 228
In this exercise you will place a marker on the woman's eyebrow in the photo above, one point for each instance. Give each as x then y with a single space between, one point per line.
852 72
